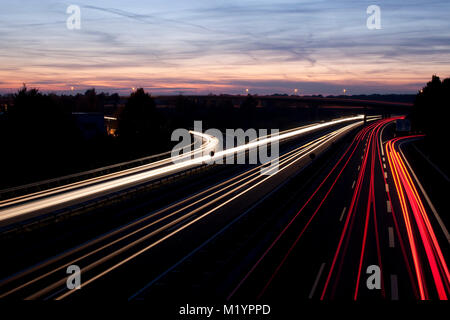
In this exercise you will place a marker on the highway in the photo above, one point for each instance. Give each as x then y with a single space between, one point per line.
312 227
16 209
22 207
362 207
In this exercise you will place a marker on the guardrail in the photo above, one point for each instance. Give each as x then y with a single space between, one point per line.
60 181
90 204
80 208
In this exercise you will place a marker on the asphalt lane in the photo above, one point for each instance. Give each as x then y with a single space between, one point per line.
317 230
295 157
327 251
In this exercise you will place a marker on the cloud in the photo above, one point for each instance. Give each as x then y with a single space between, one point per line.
219 43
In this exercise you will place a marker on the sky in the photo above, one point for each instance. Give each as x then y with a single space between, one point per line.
224 46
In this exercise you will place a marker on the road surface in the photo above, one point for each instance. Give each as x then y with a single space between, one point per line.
317 228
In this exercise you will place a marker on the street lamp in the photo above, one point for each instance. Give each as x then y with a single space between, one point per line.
344 91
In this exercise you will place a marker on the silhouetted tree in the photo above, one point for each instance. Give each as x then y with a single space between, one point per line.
39 133
140 125
115 98
91 99
430 115
431 109
35 117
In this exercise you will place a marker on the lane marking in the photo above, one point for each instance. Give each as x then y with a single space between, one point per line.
316 282
381 138
385 174
384 165
391 237
343 212
389 207
200 247
384 159
359 168
394 287
353 185
217 233
387 188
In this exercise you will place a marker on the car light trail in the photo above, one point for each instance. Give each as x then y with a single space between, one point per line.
237 180
81 183
412 242
381 154
371 203
348 226
409 196
350 217
49 192
357 140
291 161
69 197
241 184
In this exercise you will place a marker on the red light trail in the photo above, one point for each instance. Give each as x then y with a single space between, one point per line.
412 211
411 203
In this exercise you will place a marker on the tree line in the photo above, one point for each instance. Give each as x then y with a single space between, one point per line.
41 139
430 115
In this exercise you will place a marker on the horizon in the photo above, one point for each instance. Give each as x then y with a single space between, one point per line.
318 48
110 92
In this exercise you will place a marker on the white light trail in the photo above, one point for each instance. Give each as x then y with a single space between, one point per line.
63 198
